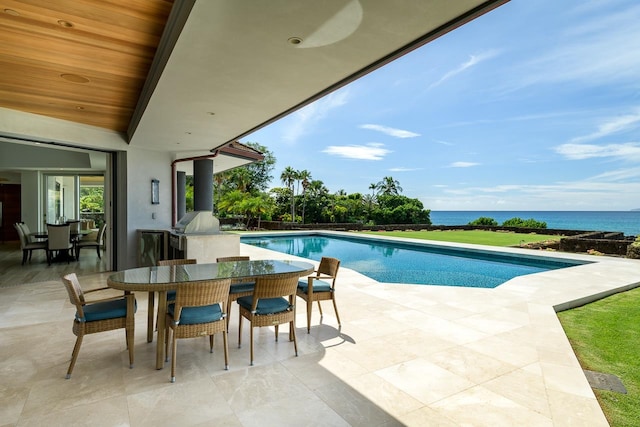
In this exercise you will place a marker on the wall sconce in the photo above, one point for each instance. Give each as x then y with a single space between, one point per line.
155 192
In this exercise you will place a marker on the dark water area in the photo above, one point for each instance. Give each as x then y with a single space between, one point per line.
627 222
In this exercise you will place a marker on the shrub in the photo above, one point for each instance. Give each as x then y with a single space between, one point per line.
524 223
483 220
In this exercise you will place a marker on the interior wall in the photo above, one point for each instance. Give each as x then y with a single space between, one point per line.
142 167
31 200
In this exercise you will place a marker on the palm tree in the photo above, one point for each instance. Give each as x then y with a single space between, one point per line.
305 177
373 187
288 178
389 186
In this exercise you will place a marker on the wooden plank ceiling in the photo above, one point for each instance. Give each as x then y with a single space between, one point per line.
79 60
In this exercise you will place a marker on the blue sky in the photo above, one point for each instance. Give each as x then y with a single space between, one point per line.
534 106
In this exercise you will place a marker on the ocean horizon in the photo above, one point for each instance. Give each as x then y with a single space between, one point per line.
627 222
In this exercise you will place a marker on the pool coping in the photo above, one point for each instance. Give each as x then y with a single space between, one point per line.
534 300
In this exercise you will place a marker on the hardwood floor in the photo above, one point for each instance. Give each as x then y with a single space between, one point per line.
37 270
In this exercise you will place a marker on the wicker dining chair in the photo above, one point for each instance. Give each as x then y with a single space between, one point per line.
198 310
171 295
239 288
320 287
271 304
101 315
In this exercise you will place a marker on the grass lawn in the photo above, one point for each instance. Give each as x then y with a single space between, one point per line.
479 237
605 336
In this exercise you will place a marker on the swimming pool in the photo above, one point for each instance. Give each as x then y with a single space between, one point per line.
404 262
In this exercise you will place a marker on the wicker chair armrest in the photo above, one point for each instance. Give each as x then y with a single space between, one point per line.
97 289
326 276
114 298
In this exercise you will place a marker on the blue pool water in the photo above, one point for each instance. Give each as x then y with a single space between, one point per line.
398 262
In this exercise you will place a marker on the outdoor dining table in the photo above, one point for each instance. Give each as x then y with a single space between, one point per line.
167 278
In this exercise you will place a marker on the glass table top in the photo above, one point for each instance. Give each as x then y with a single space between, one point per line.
221 270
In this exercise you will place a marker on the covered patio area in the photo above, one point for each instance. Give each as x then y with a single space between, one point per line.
405 355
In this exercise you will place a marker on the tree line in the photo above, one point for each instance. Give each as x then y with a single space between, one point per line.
244 193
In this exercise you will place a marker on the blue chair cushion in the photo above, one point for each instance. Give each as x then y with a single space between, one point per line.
105 310
318 286
265 305
242 287
197 315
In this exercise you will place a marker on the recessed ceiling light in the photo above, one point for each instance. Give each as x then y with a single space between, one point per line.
12 12
294 40
65 24
75 78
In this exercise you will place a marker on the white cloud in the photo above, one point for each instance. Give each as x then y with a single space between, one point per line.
473 61
372 151
304 120
611 126
401 169
463 164
628 151
600 51
398 133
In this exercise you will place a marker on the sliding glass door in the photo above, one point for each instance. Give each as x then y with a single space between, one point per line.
61 198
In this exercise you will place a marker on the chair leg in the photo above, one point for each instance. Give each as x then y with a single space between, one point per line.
228 313
74 355
226 350
129 336
276 329
174 351
309 306
335 307
251 352
24 256
239 330
320 308
167 334
292 331
211 343
98 250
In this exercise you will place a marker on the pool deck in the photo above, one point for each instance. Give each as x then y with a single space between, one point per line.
405 355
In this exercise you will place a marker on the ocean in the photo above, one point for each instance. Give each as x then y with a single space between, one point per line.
627 222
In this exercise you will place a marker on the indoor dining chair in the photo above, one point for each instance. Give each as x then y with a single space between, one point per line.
94 243
198 310
271 304
26 245
239 288
101 315
320 287
59 241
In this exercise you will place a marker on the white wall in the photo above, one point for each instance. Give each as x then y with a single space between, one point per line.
142 167
31 200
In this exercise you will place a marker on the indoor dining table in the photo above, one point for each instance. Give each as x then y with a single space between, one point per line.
166 278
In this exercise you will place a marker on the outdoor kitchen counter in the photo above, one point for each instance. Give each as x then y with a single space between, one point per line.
166 278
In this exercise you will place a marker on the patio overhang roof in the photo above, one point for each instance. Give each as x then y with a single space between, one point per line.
191 76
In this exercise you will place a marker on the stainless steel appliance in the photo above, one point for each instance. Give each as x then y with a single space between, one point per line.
197 235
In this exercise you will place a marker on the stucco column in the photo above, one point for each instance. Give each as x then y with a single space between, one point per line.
203 185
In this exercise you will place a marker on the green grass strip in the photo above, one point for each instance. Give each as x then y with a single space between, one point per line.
479 237
605 336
